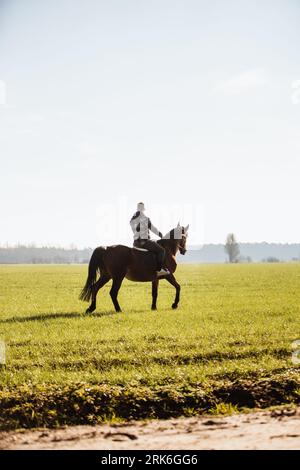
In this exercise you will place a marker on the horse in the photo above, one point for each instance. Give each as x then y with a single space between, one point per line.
117 262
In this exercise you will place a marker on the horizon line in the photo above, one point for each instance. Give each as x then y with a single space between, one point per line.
78 248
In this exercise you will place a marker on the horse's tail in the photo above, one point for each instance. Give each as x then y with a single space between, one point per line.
96 263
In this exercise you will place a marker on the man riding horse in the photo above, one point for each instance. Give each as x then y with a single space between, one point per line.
141 226
118 262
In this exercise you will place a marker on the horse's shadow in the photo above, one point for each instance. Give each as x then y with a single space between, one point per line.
55 316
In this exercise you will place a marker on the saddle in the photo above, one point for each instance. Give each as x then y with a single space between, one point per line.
139 249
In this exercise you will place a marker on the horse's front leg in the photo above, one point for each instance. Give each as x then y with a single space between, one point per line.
154 293
171 279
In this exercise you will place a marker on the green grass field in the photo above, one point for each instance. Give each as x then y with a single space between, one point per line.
228 345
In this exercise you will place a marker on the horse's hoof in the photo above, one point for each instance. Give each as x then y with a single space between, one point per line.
89 310
174 306
153 308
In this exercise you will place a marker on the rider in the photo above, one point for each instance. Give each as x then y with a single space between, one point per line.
141 225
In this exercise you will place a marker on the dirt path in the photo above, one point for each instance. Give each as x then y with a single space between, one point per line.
278 429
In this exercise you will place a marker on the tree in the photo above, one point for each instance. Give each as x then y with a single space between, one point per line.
232 248
271 259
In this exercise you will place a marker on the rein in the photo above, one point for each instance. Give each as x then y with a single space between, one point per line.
179 244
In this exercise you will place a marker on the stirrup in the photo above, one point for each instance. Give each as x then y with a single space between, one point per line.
163 272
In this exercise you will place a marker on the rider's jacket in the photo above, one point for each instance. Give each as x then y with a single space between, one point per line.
141 226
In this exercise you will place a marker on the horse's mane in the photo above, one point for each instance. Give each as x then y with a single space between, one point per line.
172 238
174 234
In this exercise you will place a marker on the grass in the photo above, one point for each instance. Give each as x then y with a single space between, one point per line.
226 347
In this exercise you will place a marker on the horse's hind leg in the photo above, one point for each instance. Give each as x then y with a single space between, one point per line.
104 278
117 281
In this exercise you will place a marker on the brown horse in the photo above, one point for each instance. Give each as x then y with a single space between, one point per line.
118 262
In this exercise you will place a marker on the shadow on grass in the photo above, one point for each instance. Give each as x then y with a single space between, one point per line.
106 363
55 316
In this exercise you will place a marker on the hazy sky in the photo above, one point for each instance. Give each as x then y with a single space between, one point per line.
190 106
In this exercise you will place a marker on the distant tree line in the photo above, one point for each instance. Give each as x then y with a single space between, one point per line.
22 254
234 252
271 259
234 256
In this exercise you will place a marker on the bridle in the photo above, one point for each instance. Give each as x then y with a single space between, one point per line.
180 247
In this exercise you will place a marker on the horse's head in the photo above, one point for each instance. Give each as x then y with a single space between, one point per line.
182 240
179 234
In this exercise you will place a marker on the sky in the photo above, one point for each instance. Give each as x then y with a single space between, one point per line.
192 107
